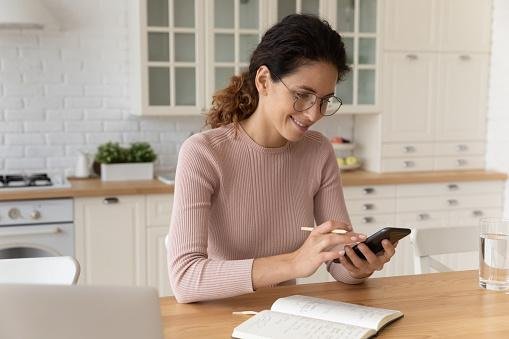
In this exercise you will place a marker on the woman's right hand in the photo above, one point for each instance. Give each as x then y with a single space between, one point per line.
319 247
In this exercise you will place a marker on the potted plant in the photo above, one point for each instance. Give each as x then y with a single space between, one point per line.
119 163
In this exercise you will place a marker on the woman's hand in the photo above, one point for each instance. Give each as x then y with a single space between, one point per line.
360 268
317 248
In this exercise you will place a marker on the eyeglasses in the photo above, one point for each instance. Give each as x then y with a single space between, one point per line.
305 100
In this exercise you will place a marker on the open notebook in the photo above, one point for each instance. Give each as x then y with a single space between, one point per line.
303 317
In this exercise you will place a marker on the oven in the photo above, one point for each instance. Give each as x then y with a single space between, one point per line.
36 228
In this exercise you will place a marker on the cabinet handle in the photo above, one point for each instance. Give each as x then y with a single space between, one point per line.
452 202
412 56
423 216
368 220
478 213
110 201
465 57
461 162
368 190
408 164
453 187
409 149
462 148
368 207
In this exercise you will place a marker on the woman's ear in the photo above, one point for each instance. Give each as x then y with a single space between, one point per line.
262 80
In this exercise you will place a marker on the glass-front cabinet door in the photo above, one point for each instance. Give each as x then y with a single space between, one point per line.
356 21
234 28
171 57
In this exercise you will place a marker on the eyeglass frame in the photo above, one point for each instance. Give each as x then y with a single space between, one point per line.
322 99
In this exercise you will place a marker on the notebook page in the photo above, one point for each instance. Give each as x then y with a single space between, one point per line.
269 324
337 311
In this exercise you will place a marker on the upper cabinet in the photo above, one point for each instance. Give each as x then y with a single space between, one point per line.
169 56
234 28
186 50
437 25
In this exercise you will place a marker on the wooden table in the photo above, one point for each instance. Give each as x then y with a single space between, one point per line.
435 306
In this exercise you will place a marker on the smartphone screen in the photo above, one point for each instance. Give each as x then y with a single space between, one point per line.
374 241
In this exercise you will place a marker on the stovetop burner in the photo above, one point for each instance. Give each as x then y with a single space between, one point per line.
22 180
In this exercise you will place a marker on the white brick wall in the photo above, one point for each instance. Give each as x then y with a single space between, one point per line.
498 113
64 91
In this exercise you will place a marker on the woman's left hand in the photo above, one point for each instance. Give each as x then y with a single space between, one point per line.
360 268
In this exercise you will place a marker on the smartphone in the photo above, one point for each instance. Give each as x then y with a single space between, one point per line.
374 241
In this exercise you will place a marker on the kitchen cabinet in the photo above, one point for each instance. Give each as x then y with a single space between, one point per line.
435 91
410 25
180 61
437 25
159 207
167 40
409 109
449 204
465 25
357 21
110 239
120 240
234 29
462 95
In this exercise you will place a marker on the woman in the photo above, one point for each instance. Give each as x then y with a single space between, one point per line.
246 187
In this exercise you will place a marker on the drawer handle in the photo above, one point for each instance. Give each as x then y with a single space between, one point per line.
453 187
461 162
452 202
368 220
423 216
409 149
412 56
462 148
110 201
368 190
478 213
368 207
408 164
465 57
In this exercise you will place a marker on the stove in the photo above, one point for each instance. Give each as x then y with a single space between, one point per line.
34 180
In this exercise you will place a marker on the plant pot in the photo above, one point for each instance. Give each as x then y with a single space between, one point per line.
127 171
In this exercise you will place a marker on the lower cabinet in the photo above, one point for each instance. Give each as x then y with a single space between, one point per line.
157 268
420 206
110 240
120 240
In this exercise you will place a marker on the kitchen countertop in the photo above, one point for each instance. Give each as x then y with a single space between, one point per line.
95 187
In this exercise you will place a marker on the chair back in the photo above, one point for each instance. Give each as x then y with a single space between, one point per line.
441 240
42 270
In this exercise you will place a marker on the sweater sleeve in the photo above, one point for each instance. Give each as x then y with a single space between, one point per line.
329 204
194 276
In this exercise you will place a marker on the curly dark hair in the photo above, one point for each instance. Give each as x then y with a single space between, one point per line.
295 41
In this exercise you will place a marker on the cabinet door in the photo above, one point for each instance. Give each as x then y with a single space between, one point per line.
409 103
465 25
157 267
171 57
357 22
410 25
234 28
462 96
110 239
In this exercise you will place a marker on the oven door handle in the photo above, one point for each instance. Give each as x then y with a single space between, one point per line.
11 233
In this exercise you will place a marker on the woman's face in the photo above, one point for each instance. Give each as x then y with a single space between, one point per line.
318 78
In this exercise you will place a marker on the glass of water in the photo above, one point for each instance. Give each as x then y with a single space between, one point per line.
494 254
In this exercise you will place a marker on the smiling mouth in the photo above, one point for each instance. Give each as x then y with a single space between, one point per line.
298 123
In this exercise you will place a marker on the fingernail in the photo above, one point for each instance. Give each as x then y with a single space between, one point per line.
362 236
353 238
342 252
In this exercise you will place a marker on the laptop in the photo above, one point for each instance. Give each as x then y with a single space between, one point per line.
79 312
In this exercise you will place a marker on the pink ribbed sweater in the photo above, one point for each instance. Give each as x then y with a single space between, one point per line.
236 200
